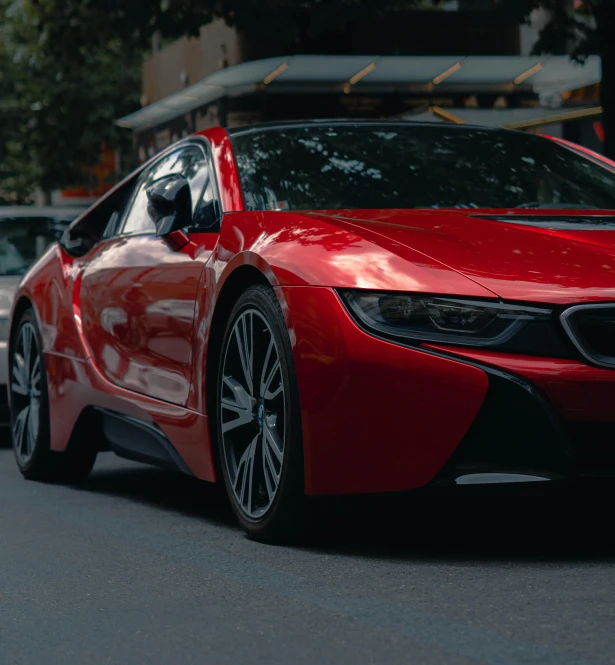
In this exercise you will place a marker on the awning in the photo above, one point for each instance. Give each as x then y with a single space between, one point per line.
519 118
547 75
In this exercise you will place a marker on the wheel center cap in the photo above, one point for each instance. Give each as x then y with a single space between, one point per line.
260 414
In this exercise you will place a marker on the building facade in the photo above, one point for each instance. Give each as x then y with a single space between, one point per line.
393 66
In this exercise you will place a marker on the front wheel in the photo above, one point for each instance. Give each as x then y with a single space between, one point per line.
29 410
258 419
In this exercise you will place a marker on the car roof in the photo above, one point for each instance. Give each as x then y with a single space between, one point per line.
327 122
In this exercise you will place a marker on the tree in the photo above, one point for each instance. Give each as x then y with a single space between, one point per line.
69 27
12 188
581 28
76 68
55 113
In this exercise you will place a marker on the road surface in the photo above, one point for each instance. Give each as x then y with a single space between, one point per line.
144 566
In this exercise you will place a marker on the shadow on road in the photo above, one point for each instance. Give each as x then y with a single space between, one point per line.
566 526
165 490
558 526
5 437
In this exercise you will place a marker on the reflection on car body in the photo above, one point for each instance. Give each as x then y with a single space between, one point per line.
25 234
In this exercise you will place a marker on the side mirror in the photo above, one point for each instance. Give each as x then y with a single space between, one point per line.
77 241
208 215
170 204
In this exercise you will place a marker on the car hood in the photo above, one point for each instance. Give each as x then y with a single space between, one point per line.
8 287
542 256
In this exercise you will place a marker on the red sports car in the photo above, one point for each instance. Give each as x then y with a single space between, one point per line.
329 307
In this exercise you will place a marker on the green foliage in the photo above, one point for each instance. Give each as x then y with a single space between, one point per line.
589 29
95 22
568 32
56 111
72 67
10 189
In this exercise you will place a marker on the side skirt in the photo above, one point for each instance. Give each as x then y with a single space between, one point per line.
137 441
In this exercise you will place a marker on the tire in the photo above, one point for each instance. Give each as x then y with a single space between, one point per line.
29 412
258 420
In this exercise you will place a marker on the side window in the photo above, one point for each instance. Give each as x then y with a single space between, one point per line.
100 222
190 162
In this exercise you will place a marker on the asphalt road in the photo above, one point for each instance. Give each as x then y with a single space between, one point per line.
144 566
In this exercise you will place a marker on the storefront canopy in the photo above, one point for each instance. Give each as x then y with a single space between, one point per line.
520 118
548 75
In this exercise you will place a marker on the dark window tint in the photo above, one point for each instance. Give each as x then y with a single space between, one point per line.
23 240
395 166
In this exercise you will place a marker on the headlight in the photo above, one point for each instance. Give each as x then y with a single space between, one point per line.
493 324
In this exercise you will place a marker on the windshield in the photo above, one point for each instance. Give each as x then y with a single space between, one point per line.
23 240
330 167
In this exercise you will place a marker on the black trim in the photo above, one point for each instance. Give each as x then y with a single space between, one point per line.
555 222
569 325
138 441
516 431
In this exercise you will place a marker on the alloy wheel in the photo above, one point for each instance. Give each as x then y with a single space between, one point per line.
252 413
26 393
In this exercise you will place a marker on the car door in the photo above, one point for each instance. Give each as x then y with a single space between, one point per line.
138 295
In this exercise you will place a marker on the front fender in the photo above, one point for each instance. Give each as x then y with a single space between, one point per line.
311 250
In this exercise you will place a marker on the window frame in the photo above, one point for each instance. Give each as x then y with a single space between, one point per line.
217 198
204 145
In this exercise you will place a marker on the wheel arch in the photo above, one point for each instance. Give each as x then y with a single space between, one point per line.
234 285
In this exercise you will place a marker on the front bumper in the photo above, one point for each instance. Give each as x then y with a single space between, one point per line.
516 437
382 417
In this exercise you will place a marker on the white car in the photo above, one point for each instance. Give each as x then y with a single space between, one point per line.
25 234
